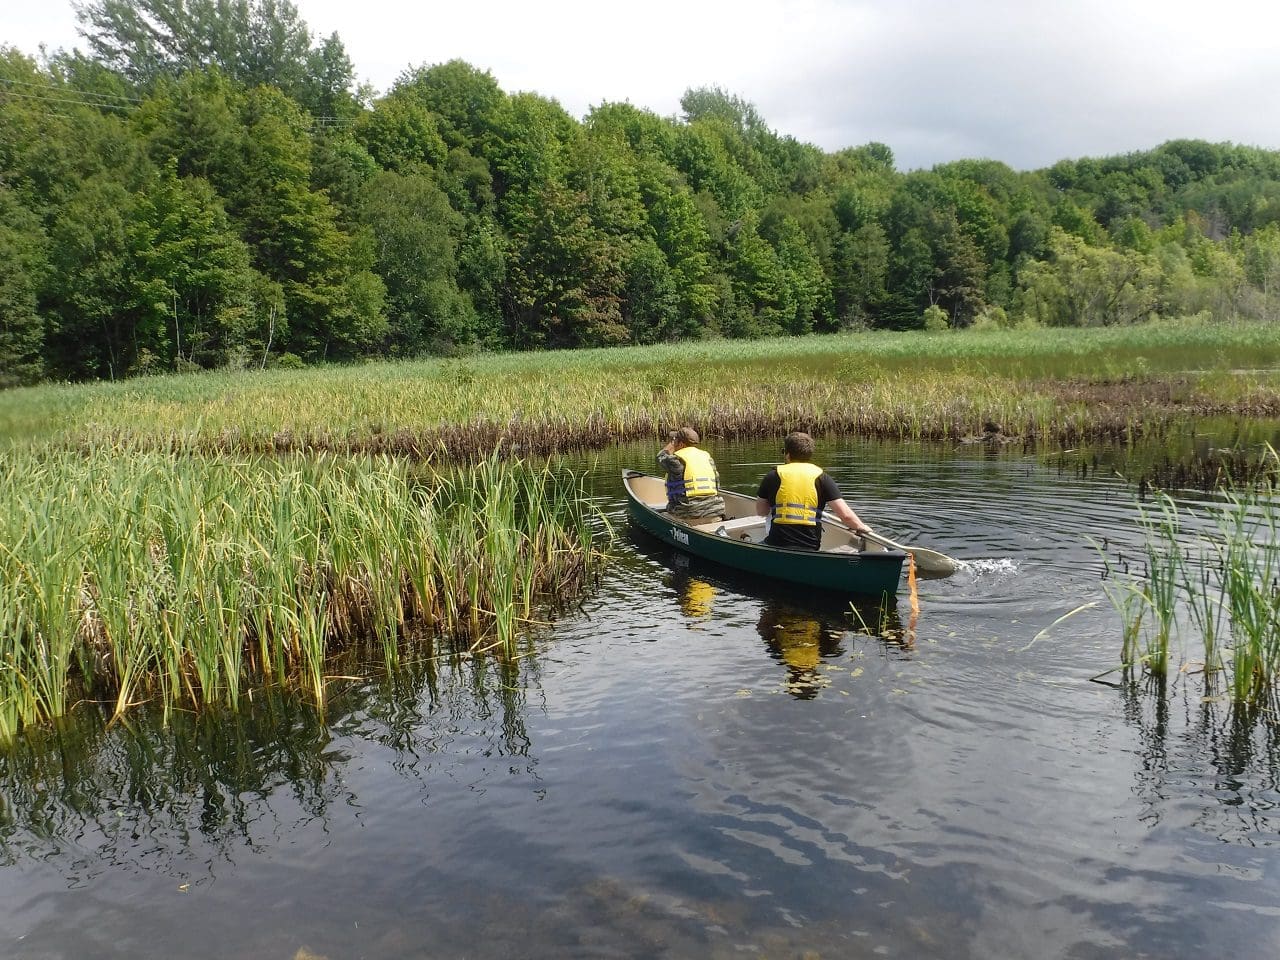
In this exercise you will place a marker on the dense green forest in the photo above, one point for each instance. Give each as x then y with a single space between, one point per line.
205 186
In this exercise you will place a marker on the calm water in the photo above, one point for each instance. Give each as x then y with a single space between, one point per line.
698 765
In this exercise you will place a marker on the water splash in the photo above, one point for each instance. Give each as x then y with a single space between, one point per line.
999 566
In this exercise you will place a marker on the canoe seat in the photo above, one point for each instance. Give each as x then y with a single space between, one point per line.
711 526
751 529
739 523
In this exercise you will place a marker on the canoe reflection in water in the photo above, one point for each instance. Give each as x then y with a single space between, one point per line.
800 637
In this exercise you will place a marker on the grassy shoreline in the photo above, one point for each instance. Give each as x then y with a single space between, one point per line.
1047 386
186 538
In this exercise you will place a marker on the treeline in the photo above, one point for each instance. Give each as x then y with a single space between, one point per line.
205 187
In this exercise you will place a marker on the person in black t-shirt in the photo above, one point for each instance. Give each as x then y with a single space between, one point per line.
795 493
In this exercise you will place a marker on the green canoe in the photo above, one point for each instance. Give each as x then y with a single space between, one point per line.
845 563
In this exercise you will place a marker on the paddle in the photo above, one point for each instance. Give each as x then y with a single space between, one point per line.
930 561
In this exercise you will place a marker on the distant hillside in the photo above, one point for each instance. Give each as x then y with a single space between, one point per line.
187 202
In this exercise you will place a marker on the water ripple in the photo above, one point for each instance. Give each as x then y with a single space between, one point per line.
701 765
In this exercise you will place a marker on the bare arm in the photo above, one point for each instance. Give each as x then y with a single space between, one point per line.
766 494
845 513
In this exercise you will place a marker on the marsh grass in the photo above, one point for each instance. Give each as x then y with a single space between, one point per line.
1220 575
183 539
1249 561
1049 385
130 576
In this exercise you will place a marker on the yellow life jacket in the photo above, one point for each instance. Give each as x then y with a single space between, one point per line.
699 475
797 498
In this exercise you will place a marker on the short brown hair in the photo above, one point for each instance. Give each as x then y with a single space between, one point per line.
799 446
686 435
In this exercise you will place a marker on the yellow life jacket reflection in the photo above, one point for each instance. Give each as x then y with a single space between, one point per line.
697 598
799 640
797 637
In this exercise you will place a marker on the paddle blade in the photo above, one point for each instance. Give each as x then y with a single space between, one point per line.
931 561
927 561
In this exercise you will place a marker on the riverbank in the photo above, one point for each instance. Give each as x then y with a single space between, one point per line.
1049 386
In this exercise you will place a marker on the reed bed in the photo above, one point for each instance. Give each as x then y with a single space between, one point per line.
130 576
1057 386
1219 575
183 539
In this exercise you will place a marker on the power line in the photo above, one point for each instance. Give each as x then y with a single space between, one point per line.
83 93
48 94
41 98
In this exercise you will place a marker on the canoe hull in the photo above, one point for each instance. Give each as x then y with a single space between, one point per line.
870 571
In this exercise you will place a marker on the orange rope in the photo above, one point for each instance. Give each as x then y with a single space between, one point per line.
911 582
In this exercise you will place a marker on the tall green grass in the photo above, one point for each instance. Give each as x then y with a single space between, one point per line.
1219 575
131 576
900 385
1149 605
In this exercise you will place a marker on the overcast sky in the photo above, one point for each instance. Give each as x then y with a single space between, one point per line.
1028 82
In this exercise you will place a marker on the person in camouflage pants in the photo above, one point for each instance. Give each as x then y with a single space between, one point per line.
693 484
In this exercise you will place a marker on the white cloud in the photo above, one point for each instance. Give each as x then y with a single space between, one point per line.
1025 82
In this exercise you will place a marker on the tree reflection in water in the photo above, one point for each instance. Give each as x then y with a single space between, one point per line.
184 795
